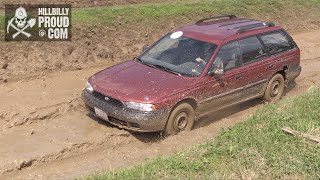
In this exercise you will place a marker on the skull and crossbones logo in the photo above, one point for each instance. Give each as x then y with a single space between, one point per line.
20 24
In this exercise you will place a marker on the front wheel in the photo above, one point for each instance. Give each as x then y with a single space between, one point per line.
180 119
274 89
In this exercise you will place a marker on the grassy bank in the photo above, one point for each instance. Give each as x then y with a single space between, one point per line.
283 12
280 11
257 148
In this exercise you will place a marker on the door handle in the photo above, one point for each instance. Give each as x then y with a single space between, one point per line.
238 76
271 66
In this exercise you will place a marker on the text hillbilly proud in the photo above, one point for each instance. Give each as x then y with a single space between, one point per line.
55 20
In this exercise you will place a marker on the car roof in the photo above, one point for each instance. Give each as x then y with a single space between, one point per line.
225 28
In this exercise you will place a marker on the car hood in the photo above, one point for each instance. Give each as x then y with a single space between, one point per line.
133 81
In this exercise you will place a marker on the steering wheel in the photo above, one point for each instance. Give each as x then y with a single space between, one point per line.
197 69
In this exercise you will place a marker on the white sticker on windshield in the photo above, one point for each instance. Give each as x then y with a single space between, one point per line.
176 35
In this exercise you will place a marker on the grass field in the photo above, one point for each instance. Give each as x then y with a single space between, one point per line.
256 149
280 11
138 13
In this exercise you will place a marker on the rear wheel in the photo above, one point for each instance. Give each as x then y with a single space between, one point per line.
274 89
180 119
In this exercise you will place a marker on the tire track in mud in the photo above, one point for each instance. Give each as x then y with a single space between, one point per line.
53 140
26 124
41 99
72 150
47 124
13 119
66 143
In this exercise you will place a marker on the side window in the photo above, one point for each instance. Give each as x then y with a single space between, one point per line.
229 55
251 49
276 42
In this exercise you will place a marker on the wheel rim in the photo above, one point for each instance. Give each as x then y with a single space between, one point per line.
181 122
275 88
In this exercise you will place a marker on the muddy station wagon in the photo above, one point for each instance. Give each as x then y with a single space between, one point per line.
195 70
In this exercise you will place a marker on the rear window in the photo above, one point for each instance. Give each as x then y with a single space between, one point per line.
276 42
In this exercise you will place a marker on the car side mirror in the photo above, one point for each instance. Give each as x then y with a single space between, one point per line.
145 47
219 70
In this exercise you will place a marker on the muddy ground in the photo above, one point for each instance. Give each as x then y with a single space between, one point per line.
45 131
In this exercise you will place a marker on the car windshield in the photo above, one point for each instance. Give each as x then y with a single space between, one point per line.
179 55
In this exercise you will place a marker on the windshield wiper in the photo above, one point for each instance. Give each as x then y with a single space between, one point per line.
156 66
146 63
166 69
138 59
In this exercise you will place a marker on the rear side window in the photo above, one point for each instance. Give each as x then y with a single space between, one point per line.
251 49
276 42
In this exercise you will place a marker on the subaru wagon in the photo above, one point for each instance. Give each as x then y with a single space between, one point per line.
195 70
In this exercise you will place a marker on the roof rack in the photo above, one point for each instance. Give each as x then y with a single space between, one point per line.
254 26
235 22
231 16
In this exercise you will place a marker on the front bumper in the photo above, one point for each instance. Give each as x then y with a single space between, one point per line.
127 118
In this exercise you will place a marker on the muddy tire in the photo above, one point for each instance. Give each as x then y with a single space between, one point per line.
274 89
180 119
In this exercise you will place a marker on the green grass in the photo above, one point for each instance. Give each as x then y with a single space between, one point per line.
257 148
152 13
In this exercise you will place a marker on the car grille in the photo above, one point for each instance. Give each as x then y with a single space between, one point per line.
118 121
124 123
109 100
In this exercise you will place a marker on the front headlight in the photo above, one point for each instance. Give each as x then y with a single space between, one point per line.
140 106
88 87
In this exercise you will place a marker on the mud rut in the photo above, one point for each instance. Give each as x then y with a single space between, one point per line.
47 133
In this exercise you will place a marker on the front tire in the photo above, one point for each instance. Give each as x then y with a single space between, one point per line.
180 119
274 89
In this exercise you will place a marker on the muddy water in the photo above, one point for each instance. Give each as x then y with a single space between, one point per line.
45 131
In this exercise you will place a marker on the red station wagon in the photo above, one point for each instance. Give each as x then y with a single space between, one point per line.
195 70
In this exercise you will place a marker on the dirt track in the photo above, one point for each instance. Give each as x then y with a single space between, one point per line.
46 133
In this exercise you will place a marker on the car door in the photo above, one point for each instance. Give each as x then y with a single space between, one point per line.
256 65
225 89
